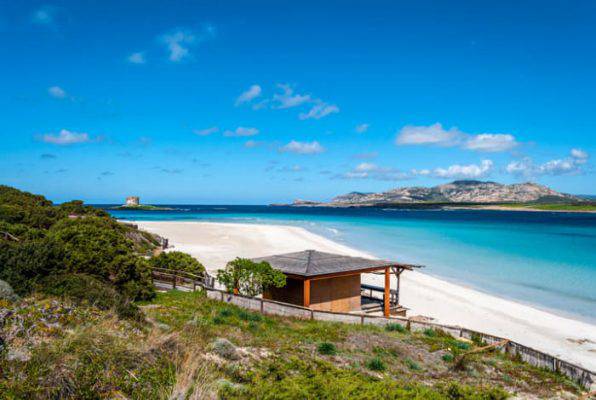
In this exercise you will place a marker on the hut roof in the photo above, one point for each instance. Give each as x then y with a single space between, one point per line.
310 263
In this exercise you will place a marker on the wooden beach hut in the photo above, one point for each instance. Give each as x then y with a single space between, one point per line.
332 282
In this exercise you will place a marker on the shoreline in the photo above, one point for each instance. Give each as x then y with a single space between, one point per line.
215 243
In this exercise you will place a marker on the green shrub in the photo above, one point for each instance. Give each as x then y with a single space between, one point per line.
447 357
225 349
85 289
226 312
413 365
376 364
250 278
327 349
249 316
457 391
461 345
430 332
177 261
477 340
395 327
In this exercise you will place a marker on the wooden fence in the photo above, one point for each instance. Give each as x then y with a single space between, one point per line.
167 279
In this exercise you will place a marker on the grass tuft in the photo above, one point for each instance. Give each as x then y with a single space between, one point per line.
376 364
327 349
395 327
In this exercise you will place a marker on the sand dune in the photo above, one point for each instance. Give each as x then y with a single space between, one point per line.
216 243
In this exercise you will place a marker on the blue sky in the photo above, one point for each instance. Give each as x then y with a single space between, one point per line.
257 102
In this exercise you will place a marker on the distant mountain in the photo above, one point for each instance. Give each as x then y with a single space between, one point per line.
464 191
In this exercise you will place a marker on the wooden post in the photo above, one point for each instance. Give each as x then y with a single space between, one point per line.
306 294
398 279
175 279
386 298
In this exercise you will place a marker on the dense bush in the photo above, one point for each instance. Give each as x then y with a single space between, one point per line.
327 349
177 261
44 240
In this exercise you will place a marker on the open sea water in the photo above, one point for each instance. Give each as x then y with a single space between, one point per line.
545 259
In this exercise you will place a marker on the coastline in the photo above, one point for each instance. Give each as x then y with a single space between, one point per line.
216 243
452 206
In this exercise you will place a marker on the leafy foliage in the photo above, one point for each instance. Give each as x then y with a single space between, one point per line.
327 348
48 240
178 261
249 277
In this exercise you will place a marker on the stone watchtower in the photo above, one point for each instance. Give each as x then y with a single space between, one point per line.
132 201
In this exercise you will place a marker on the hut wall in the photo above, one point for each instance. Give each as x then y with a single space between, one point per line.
338 294
292 293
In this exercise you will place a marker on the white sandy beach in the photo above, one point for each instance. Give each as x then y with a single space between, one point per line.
216 243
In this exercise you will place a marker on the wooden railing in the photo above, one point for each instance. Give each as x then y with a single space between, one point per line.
172 279
371 290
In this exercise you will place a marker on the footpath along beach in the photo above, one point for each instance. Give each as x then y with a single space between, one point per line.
214 244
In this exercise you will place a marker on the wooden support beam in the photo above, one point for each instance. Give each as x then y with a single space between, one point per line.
386 298
306 294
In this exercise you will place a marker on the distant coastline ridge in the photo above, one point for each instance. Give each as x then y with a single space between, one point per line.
464 194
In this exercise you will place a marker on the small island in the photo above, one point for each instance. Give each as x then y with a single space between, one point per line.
134 203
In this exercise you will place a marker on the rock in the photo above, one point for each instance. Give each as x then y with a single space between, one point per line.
225 349
163 327
21 355
6 292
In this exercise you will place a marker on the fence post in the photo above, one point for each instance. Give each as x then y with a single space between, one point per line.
261 306
175 279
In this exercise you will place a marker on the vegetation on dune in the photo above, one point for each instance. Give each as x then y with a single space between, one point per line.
44 246
250 278
177 261
194 347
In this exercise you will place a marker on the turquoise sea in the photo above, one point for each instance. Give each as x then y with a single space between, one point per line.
541 258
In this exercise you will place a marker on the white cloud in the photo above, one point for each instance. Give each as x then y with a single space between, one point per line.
429 135
251 144
178 43
253 92
436 135
137 58
373 171
456 171
579 155
557 167
491 142
66 137
319 110
520 167
57 92
303 147
287 99
242 131
206 132
362 128
562 166
43 16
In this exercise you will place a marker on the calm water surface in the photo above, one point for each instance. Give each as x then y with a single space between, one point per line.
544 259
